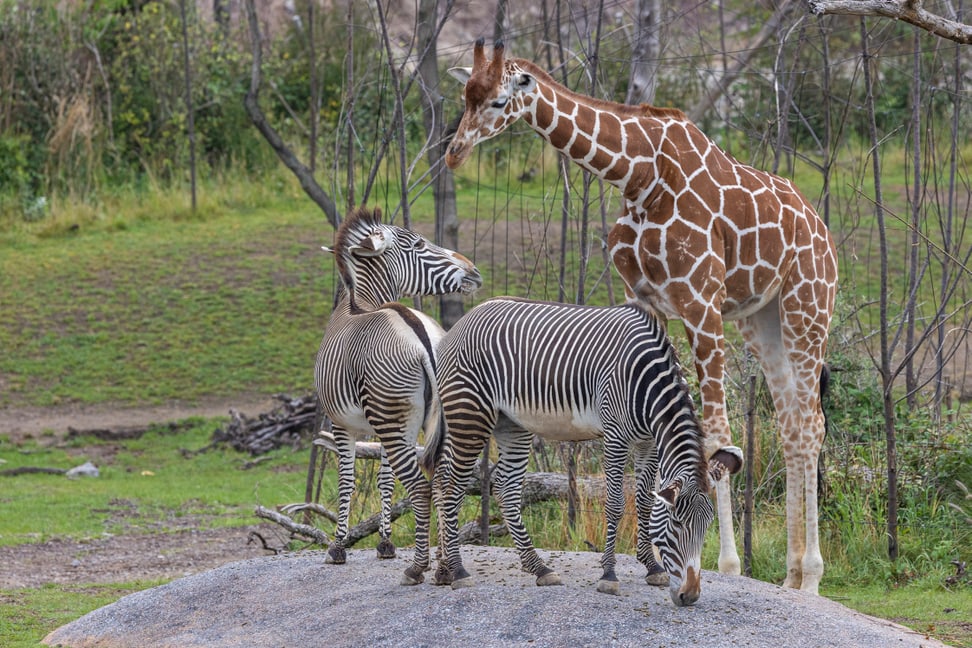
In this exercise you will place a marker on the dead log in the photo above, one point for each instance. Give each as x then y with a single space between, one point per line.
289 424
127 432
31 470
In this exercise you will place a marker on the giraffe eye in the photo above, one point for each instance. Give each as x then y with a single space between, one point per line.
501 102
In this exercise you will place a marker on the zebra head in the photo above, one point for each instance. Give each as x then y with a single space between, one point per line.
680 516
380 263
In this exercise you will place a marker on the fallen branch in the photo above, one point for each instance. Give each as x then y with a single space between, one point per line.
31 470
305 530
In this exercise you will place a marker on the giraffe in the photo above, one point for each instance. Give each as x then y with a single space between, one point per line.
703 238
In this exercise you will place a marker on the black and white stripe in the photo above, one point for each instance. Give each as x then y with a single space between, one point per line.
514 367
375 372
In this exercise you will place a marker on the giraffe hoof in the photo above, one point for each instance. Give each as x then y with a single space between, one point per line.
550 578
609 587
336 556
385 549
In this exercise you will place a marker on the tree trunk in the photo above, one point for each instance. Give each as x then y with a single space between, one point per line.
887 377
434 120
646 51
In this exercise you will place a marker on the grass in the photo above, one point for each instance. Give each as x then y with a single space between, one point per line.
134 299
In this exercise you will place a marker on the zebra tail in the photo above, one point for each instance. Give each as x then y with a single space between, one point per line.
434 424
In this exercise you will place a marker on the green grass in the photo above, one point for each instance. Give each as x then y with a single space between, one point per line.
134 299
940 613
27 615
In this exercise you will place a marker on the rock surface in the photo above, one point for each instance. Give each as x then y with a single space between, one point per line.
297 600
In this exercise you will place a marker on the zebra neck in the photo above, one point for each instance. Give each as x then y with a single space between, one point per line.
369 296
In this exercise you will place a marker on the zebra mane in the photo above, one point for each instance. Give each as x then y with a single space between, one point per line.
358 224
653 320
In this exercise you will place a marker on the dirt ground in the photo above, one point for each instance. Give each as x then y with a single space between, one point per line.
128 557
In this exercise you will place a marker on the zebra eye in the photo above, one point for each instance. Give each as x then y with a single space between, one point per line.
418 244
501 102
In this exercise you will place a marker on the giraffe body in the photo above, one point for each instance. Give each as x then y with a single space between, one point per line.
703 238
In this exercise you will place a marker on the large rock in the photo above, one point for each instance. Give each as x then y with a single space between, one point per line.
297 600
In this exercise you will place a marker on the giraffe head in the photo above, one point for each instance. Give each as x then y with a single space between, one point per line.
494 95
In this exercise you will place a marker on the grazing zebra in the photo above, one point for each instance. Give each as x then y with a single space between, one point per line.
514 367
375 371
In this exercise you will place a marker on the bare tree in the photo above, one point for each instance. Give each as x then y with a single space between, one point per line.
887 377
190 117
252 104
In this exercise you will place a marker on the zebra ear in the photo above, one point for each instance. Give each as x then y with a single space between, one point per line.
461 74
725 461
327 249
372 245
669 494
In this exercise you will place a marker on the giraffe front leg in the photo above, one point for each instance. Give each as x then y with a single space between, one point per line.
336 552
708 347
386 486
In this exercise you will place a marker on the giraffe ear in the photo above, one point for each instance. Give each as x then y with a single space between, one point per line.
524 81
462 74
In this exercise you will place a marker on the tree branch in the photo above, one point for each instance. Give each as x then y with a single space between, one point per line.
909 11
252 104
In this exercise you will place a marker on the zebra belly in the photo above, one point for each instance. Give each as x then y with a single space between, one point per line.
574 425
354 421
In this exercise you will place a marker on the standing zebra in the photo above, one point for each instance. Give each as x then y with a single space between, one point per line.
375 372
564 372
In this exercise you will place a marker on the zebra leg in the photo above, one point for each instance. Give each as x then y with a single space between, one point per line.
615 457
646 469
386 486
402 458
336 554
454 473
514 452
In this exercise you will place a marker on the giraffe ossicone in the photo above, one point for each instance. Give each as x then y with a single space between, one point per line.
703 238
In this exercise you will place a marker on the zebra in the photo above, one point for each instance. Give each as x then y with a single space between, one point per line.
512 367
375 370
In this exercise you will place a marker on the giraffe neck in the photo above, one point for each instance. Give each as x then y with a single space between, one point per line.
599 135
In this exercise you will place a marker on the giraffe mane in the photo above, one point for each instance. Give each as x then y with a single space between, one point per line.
627 110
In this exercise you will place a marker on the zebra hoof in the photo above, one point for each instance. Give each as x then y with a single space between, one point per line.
461 583
657 578
336 556
461 579
612 587
550 578
442 576
413 576
385 549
